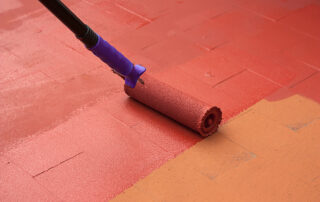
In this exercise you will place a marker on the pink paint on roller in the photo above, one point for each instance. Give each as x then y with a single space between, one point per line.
185 109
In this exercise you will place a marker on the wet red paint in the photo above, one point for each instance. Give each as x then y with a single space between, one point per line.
213 67
305 19
309 87
65 119
159 129
283 71
18 185
112 156
171 52
274 9
231 25
247 88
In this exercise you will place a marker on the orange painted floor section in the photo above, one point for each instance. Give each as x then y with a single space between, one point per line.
68 132
267 153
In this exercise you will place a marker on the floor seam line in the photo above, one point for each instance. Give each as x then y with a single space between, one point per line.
294 85
52 167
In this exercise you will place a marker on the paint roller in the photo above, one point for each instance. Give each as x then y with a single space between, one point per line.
185 109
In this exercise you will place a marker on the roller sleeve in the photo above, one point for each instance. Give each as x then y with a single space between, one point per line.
185 109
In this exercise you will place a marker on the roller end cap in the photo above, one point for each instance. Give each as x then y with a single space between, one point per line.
132 78
210 122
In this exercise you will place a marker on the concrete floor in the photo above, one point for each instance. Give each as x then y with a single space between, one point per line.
69 133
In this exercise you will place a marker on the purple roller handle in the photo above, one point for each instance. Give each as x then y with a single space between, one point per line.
118 62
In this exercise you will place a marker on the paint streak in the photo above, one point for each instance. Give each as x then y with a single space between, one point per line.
28 110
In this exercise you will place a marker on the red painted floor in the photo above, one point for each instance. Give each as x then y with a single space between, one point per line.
68 132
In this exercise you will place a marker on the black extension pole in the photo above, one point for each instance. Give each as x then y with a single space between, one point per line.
82 31
96 44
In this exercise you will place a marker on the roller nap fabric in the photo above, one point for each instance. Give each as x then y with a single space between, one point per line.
185 109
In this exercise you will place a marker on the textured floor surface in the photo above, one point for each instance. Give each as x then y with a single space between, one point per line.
68 132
